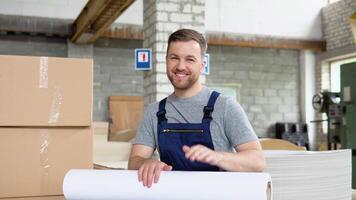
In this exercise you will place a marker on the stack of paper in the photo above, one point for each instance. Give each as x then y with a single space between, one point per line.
310 175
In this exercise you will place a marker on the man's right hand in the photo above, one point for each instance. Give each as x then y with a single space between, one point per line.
150 171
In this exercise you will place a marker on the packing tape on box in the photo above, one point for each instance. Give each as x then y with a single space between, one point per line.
57 94
57 99
44 159
43 82
124 184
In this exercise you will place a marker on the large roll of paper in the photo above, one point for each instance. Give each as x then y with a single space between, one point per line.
124 184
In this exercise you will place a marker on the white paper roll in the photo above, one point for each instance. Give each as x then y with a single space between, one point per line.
124 184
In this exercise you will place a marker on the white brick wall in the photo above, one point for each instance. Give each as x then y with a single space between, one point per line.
162 37
162 78
160 47
162 16
167 26
336 28
187 9
161 67
160 57
198 9
198 28
169 7
180 17
199 19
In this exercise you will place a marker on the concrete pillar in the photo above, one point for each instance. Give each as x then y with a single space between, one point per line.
161 18
307 75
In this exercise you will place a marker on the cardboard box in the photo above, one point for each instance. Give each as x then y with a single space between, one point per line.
34 161
42 91
60 197
125 114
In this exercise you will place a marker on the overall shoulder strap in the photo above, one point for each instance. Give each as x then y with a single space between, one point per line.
161 114
210 107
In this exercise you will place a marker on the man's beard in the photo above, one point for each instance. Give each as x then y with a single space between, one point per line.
185 84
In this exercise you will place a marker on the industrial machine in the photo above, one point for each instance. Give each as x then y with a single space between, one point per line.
329 103
340 109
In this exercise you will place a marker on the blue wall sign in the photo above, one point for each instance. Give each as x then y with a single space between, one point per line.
143 59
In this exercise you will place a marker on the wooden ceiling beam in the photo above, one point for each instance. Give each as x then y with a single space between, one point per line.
266 42
87 16
96 17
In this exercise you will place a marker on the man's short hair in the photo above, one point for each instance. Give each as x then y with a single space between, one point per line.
185 35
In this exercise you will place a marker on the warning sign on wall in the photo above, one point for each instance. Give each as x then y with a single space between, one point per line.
143 59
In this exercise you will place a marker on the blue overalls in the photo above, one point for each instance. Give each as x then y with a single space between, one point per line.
172 137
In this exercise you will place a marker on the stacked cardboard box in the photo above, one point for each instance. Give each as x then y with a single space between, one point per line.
45 118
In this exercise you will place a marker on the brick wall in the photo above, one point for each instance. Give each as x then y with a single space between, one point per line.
336 27
269 82
114 73
32 46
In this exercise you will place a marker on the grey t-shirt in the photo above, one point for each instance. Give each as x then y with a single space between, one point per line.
229 127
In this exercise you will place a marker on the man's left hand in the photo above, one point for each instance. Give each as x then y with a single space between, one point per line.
202 154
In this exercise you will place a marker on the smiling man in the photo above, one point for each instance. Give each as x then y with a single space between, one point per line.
194 128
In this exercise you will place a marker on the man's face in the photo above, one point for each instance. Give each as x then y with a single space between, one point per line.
184 64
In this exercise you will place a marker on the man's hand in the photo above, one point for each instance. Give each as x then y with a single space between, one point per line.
150 171
202 154
248 157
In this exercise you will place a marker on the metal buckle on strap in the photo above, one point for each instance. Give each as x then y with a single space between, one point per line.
207 112
208 109
161 113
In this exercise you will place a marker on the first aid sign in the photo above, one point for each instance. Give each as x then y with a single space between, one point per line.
143 59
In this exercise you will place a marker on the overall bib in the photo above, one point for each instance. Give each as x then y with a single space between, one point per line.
172 137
